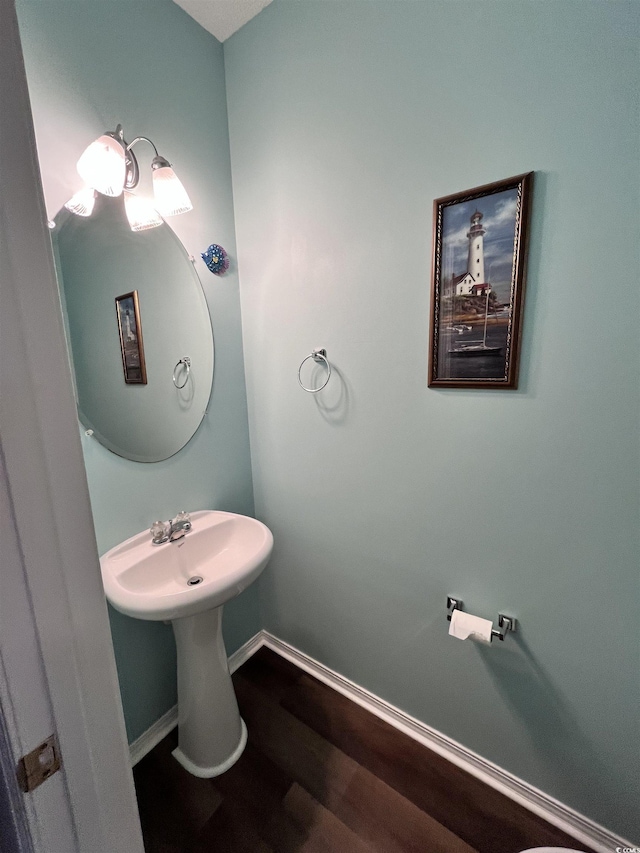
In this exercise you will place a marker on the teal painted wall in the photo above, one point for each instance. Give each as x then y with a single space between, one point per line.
152 68
346 121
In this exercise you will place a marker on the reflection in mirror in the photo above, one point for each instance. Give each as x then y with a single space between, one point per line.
101 264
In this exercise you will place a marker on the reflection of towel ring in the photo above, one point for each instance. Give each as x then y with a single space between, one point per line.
187 363
318 355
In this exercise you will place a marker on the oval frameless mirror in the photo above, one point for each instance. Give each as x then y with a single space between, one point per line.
135 312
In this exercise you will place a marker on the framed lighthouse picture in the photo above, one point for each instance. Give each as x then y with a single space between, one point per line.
477 289
130 330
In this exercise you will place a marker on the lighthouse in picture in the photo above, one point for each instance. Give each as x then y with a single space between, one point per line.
475 263
472 282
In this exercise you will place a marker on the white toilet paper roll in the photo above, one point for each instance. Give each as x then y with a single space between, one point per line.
465 626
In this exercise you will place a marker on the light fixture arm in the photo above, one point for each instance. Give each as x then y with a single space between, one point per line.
132 175
133 172
141 139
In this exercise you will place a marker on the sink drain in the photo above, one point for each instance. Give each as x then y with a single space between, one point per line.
194 581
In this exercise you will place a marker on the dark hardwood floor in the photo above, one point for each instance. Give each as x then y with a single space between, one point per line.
322 775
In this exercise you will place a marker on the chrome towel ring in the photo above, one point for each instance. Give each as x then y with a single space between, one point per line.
186 361
319 356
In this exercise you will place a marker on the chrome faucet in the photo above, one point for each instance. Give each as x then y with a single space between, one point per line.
169 531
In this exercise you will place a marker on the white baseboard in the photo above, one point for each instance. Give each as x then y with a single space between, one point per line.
248 650
153 735
584 830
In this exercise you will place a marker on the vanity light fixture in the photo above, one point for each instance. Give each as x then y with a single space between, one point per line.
109 166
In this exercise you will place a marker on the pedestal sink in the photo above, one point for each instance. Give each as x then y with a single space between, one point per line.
188 582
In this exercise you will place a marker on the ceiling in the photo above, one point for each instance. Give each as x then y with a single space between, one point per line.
222 18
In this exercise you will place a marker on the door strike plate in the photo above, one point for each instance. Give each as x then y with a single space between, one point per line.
37 766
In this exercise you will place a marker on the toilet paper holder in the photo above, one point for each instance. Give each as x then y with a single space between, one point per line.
505 623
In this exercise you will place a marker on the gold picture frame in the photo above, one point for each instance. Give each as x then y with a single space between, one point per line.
477 285
130 330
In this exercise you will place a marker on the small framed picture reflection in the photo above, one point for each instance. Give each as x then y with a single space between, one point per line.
128 314
477 288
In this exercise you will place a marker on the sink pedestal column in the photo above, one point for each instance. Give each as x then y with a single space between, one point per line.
211 734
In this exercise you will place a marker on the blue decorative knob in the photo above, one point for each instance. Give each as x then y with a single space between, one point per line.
216 259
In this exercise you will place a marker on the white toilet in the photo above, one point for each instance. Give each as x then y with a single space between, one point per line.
551 850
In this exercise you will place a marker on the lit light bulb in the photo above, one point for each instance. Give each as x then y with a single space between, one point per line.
82 202
140 212
102 166
170 196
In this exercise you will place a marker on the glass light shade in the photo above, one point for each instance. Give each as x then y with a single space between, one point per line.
170 196
102 166
140 212
82 202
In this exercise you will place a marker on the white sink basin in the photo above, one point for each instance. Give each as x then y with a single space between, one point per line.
223 553
227 551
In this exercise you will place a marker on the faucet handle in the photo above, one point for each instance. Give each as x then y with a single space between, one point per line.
160 532
182 518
